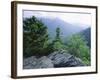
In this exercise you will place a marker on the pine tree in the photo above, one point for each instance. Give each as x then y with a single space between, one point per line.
57 42
58 33
35 37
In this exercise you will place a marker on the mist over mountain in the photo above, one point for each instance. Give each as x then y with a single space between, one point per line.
87 35
66 28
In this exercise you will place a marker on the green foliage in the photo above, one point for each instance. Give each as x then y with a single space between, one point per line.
58 34
56 45
57 42
77 46
35 37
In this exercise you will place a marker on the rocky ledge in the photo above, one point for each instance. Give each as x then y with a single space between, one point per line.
53 60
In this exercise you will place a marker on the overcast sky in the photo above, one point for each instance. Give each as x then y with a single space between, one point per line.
76 18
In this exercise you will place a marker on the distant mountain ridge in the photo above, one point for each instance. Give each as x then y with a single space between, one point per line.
87 35
66 28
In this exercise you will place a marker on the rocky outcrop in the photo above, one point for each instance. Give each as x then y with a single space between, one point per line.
29 63
44 62
34 63
63 59
55 59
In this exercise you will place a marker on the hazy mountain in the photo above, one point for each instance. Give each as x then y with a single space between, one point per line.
67 29
87 35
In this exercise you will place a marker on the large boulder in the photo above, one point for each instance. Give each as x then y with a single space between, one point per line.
64 59
29 63
44 62
34 63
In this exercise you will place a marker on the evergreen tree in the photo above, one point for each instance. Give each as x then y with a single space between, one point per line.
56 43
35 37
58 33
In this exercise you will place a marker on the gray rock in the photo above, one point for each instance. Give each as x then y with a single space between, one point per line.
62 59
28 63
44 62
56 59
34 63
